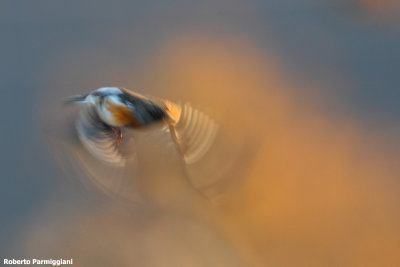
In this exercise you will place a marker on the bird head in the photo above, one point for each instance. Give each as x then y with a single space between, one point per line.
94 96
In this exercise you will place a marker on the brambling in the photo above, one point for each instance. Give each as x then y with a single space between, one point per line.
107 110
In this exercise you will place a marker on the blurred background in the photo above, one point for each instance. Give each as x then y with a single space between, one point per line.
307 93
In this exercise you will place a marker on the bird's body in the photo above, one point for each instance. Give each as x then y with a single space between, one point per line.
107 110
122 108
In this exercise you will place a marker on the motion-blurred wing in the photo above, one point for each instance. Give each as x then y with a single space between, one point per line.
193 131
98 138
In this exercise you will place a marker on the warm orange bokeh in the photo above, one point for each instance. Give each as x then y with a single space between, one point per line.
319 189
322 189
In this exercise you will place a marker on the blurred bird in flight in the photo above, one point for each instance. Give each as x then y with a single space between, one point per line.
107 111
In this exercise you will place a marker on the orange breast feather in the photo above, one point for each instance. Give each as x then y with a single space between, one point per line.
123 116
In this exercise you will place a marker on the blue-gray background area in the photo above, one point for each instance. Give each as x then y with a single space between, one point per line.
327 41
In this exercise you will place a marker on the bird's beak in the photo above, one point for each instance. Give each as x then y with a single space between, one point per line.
76 99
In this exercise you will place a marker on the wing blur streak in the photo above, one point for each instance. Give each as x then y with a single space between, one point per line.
186 130
194 133
97 137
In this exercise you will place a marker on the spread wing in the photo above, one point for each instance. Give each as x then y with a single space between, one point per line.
98 138
192 131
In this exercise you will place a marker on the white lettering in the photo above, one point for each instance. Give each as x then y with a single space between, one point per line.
14 261
52 262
